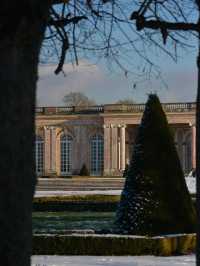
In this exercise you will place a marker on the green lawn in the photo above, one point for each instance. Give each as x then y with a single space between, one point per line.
54 222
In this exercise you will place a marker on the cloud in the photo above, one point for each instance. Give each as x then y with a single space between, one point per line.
88 78
105 87
181 86
52 88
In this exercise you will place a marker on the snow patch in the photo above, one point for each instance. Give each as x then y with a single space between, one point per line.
190 181
112 261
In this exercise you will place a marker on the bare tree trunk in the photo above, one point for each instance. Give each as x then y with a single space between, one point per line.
198 158
21 35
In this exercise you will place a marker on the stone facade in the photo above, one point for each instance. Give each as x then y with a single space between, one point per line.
102 137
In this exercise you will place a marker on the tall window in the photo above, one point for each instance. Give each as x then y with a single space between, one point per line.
66 154
39 155
97 154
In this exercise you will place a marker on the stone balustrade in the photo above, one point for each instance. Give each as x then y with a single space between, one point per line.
114 108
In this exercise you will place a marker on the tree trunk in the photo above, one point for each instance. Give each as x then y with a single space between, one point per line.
198 158
21 36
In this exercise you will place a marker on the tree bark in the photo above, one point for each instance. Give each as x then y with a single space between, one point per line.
21 36
198 158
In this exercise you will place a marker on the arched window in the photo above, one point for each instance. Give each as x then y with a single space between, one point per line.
97 154
39 155
66 155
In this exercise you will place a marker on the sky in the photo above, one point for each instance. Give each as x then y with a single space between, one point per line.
105 87
108 86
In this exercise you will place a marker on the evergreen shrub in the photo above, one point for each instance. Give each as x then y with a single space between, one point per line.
125 170
84 171
155 199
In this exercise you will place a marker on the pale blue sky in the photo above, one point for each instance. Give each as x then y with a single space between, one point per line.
106 87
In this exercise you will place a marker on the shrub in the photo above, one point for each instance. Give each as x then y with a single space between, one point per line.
125 170
84 171
155 199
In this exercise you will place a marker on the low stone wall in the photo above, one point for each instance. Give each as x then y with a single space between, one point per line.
89 244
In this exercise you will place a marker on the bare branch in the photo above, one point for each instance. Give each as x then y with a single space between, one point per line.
65 21
142 23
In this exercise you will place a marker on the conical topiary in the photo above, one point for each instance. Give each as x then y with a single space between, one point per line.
155 199
125 170
84 171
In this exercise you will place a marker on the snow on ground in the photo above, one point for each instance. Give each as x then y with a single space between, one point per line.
112 261
77 192
191 183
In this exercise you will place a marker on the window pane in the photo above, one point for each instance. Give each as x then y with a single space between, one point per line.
97 154
66 154
39 155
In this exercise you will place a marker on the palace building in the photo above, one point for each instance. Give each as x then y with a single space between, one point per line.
102 137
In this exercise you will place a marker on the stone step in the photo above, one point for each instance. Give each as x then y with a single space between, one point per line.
79 189
80 184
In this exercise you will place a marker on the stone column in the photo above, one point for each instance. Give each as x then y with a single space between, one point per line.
114 150
58 155
122 147
47 150
107 149
50 150
184 154
193 145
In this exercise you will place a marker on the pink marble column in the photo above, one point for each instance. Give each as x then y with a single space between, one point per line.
114 150
50 150
53 150
193 129
122 147
47 150
107 149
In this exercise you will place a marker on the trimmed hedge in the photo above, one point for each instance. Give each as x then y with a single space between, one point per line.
113 245
75 206
84 171
77 203
78 198
79 176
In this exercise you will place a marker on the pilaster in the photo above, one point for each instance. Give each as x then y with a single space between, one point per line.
50 150
122 147
193 145
47 150
107 149
53 150
114 150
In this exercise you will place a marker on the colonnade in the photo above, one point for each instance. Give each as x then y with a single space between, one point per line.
69 148
115 148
